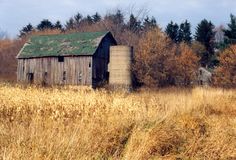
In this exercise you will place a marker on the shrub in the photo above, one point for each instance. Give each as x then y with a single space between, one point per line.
159 62
225 73
154 59
186 65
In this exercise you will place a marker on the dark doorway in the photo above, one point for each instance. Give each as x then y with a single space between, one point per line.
30 77
45 78
201 82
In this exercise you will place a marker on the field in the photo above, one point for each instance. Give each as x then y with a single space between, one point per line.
80 123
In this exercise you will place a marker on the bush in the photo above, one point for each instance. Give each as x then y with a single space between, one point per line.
225 73
186 65
154 59
159 62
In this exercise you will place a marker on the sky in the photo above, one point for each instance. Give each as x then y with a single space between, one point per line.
15 14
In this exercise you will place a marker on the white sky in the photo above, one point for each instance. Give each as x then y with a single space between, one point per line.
14 14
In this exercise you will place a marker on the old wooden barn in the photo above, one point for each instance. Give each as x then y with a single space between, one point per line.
74 59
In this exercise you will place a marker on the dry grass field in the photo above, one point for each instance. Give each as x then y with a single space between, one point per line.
80 123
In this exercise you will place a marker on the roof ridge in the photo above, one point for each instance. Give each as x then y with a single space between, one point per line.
105 32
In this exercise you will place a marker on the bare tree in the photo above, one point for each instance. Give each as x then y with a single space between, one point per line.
3 34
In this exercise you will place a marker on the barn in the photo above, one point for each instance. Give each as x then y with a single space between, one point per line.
70 59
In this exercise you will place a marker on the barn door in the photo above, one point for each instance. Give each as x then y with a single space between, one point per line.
30 78
45 78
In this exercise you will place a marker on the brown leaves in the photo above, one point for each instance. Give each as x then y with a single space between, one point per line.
187 65
225 73
8 51
160 63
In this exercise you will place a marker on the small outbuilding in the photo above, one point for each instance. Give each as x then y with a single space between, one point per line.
204 76
72 59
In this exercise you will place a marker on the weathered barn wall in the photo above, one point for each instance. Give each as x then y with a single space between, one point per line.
204 77
48 70
120 66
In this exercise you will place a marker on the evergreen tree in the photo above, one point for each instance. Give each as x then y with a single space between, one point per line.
185 32
96 17
230 33
181 33
45 24
58 25
134 24
26 30
89 19
76 20
172 31
78 17
119 17
205 35
149 23
70 25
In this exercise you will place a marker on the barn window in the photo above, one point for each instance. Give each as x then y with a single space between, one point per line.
64 75
60 59
89 64
80 76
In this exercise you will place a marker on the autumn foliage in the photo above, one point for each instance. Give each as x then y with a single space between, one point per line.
159 62
186 65
225 73
8 63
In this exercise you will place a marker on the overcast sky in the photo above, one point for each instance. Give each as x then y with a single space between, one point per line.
14 14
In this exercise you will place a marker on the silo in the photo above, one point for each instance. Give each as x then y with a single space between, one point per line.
120 74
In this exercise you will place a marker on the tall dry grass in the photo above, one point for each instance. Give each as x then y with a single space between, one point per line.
80 123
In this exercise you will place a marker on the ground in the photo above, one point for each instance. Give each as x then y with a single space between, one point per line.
81 123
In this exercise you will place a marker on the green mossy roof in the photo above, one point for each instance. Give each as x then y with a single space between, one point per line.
74 44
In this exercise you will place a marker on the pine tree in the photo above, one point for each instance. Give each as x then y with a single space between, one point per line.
134 24
230 33
89 19
205 35
96 17
172 31
77 18
26 30
119 17
45 24
58 25
149 23
185 33
70 25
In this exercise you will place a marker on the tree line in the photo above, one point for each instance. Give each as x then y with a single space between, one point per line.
172 54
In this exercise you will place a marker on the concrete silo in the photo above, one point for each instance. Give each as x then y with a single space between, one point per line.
120 74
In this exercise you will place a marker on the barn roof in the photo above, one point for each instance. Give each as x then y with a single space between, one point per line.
74 44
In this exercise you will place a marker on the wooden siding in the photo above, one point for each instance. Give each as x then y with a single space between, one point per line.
73 71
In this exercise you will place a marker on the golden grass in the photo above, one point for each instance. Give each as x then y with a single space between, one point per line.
80 123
